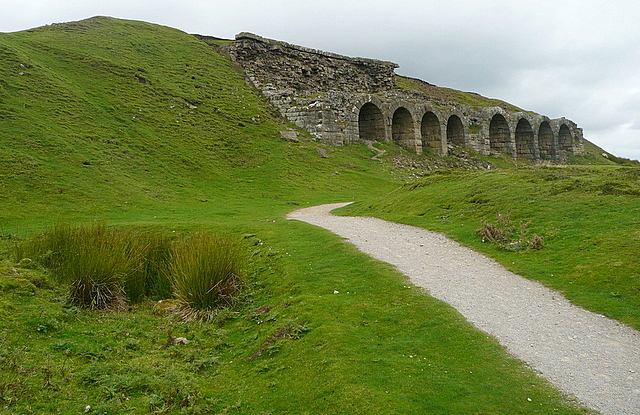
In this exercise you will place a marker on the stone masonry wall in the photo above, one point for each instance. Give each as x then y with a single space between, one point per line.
324 93
286 66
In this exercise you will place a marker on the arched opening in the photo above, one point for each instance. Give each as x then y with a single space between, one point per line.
455 131
371 123
499 134
402 127
430 131
565 141
545 141
524 140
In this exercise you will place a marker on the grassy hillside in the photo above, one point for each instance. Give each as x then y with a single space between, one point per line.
137 125
442 96
587 216
115 119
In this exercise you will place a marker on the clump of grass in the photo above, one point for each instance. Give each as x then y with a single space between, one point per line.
150 279
105 267
96 261
509 236
205 272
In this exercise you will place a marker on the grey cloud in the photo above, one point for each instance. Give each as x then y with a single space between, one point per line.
574 58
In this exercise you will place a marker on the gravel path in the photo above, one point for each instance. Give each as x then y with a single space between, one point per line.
584 354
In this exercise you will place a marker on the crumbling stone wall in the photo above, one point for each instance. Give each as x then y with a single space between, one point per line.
341 100
291 67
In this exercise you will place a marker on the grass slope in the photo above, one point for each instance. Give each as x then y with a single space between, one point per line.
443 96
588 217
114 119
140 125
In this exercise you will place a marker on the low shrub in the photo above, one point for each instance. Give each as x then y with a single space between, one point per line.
205 272
509 236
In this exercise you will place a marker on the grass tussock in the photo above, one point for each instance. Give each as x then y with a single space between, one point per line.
205 272
509 236
105 268
94 260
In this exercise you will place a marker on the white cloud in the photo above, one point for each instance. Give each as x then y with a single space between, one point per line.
573 58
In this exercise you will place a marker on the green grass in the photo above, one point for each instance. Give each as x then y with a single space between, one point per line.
80 131
206 273
447 95
587 216
296 346
147 128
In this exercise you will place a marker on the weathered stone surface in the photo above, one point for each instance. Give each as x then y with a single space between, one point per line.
288 66
290 135
341 100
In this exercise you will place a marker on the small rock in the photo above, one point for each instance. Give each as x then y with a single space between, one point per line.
290 135
322 152
181 340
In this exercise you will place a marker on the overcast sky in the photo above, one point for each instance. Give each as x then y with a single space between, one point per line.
574 58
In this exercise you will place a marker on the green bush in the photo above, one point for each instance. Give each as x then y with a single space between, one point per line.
205 272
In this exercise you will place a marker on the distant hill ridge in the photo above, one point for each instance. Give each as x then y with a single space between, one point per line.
127 113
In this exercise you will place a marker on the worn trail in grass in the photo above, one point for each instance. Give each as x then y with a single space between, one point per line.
585 354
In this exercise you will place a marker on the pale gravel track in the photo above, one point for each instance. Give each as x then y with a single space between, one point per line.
586 355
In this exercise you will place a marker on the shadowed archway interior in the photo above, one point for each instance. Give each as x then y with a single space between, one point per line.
371 123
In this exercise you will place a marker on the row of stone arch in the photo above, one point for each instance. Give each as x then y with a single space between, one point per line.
421 128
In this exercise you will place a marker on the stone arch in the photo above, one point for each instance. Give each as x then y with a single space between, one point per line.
431 132
545 141
524 139
499 134
565 139
455 131
371 123
402 127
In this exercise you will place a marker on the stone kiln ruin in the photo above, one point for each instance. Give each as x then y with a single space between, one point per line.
341 100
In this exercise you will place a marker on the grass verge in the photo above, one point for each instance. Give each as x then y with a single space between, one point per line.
582 213
323 329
